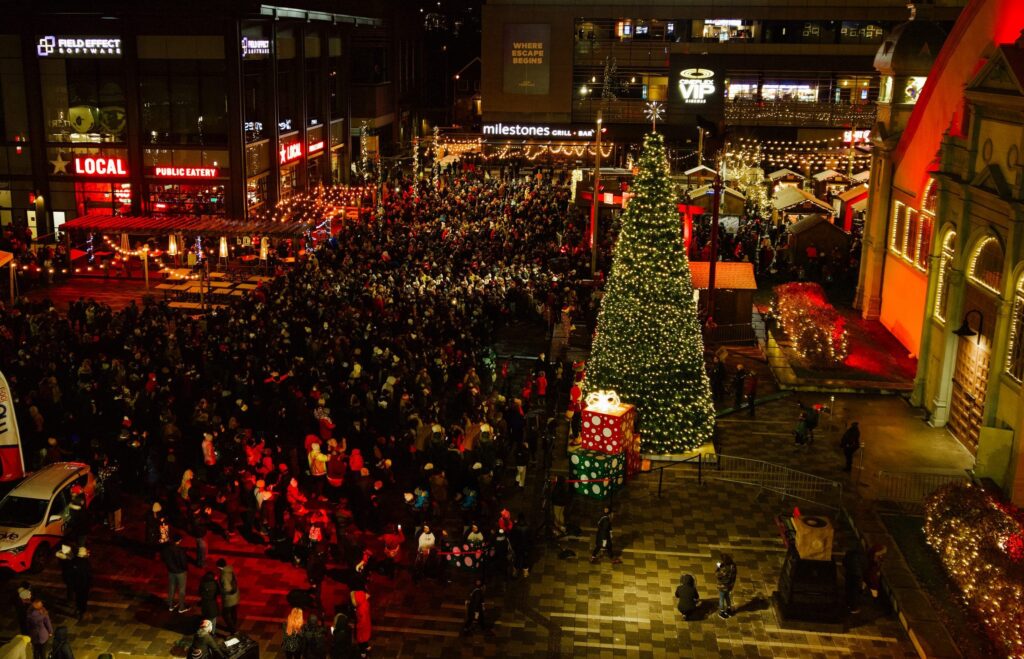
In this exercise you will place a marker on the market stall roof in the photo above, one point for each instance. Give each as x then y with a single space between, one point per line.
811 221
827 175
5 258
783 173
862 177
789 196
853 194
729 275
158 225
702 170
696 193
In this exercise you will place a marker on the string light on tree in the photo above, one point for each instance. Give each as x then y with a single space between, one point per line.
648 345
654 111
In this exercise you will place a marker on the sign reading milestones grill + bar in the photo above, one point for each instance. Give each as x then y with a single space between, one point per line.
62 46
543 131
697 87
527 58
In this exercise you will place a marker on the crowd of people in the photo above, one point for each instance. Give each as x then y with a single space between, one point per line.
352 412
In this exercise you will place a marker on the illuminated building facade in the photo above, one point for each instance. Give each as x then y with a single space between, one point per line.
187 108
954 172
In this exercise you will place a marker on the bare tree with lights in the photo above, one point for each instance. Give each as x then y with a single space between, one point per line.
648 346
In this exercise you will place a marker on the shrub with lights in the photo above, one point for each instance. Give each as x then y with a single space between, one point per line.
816 330
979 541
648 346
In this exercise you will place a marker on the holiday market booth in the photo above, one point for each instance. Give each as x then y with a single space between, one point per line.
816 234
734 290
792 204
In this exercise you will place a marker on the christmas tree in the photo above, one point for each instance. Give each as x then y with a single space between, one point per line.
648 346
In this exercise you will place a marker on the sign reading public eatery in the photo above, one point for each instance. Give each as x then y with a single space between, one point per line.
57 46
538 130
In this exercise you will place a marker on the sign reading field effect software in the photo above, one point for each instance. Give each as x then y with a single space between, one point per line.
54 46
527 58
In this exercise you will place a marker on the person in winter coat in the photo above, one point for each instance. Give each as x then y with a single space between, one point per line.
177 574
725 573
314 642
40 630
341 637
561 498
61 644
686 593
850 442
208 592
81 580
522 460
475 610
364 627
521 538
204 644
292 640
229 595
603 539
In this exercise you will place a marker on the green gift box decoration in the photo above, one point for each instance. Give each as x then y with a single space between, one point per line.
597 474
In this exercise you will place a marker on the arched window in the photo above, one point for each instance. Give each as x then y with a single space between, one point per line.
986 266
945 272
1015 355
925 226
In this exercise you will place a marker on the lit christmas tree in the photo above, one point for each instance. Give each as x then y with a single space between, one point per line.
648 346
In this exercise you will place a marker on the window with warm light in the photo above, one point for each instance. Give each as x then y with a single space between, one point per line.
897 228
945 274
986 265
1015 355
925 226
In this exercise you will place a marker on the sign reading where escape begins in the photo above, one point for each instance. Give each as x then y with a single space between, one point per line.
527 58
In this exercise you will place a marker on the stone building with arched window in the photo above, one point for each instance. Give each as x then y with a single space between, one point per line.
971 364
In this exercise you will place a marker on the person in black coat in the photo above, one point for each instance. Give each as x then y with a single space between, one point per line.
81 580
61 644
603 539
850 442
341 636
209 590
475 609
521 538
689 600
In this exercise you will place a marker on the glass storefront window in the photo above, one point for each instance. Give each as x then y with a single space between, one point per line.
724 29
83 100
13 110
289 81
314 87
103 197
256 193
313 173
336 77
186 198
853 32
257 158
256 100
289 180
187 158
183 101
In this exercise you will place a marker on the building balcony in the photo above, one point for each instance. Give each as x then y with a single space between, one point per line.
792 113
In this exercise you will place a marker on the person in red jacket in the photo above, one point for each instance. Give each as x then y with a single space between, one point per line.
364 627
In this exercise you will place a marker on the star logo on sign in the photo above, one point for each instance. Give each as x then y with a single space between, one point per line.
60 166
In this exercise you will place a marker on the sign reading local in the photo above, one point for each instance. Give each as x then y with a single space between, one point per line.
696 85
252 47
290 152
57 46
100 166
855 136
185 172
537 130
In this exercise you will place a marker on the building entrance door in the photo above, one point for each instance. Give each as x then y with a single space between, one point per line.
967 404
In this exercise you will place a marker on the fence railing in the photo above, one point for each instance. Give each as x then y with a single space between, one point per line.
786 482
910 487
735 333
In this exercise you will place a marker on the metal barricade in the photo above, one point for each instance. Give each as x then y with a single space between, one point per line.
786 482
910 487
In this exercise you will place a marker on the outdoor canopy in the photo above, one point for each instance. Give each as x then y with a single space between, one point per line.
158 225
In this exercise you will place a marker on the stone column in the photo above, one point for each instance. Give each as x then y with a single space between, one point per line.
943 375
876 230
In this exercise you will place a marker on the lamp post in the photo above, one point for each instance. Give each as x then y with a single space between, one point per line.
594 210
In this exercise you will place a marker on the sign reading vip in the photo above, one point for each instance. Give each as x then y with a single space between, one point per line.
527 59
696 86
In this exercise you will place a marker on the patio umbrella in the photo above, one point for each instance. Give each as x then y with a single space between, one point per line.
223 247
172 245
264 248
125 247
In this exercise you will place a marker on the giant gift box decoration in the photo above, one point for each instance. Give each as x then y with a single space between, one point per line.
596 474
608 427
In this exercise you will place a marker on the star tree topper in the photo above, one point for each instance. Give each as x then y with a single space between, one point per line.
654 111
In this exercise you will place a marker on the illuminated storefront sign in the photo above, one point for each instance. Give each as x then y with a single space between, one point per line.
315 147
537 130
255 47
100 166
185 172
696 85
53 46
855 136
290 152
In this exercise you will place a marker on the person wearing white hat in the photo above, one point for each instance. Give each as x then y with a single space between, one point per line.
204 643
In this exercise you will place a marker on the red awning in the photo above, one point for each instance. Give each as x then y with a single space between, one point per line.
159 225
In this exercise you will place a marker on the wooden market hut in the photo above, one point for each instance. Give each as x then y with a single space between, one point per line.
732 203
734 285
793 203
816 230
